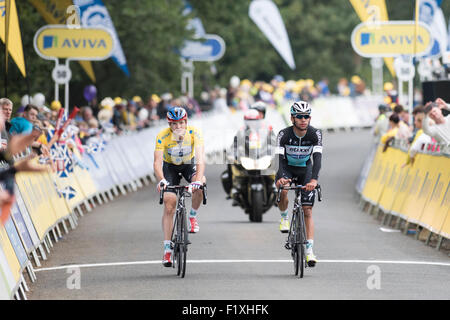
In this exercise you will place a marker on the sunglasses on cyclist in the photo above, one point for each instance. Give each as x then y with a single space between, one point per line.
302 116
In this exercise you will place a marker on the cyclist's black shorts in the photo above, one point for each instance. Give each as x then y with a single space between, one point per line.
303 176
173 173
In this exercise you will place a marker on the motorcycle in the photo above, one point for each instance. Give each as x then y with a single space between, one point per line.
250 177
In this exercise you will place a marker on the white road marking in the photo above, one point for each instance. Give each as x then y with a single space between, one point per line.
113 264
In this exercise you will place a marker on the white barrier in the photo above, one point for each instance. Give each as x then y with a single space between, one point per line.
340 112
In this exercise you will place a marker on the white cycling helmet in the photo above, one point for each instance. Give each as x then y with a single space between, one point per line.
300 107
259 106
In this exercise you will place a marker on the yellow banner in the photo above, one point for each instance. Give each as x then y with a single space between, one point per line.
55 12
373 10
391 39
14 36
435 210
392 186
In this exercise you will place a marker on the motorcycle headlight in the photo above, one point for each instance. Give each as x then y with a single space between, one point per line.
264 162
247 163
256 164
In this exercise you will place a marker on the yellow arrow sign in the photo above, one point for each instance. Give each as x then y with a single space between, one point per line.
391 39
60 41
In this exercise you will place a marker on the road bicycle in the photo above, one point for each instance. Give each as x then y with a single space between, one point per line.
180 237
296 239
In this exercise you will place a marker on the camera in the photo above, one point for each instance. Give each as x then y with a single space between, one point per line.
430 106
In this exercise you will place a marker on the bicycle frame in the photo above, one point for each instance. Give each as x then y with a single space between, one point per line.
179 235
296 239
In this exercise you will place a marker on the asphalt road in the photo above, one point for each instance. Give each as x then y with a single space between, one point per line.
116 251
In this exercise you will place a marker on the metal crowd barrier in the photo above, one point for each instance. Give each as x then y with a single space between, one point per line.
413 196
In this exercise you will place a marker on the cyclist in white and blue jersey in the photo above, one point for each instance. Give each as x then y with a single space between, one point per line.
300 156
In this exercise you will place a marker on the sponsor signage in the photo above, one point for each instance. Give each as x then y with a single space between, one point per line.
391 39
210 47
61 41
404 68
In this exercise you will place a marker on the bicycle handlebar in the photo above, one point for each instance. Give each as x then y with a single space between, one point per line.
176 188
297 187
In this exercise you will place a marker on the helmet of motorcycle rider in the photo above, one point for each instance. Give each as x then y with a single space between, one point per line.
252 114
260 107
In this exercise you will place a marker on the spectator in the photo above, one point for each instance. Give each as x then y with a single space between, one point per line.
404 130
394 123
439 126
117 117
153 108
220 103
323 87
6 106
381 123
86 114
420 138
24 125
84 132
164 105
17 144
343 88
129 116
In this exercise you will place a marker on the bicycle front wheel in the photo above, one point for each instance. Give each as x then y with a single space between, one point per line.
301 236
294 242
183 246
299 260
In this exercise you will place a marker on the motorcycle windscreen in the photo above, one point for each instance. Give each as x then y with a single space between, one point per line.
256 141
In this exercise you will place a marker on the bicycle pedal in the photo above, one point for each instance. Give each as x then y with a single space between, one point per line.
288 246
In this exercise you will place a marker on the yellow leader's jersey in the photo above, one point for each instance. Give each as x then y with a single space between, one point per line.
179 152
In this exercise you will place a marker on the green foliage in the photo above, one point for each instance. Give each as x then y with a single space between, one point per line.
150 30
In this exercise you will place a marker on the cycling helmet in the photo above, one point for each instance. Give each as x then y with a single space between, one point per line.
300 107
176 114
259 106
251 114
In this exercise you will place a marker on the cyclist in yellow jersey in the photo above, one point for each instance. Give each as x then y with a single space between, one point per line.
179 152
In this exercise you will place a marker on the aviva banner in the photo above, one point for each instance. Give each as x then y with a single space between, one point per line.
59 41
390 39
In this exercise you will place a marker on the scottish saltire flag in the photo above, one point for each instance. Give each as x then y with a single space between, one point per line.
68 192
430 13
93 14
95 145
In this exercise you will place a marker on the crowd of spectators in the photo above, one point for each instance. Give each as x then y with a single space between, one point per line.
428 131
117 115
241 94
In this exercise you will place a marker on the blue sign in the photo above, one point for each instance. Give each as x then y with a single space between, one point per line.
210 47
